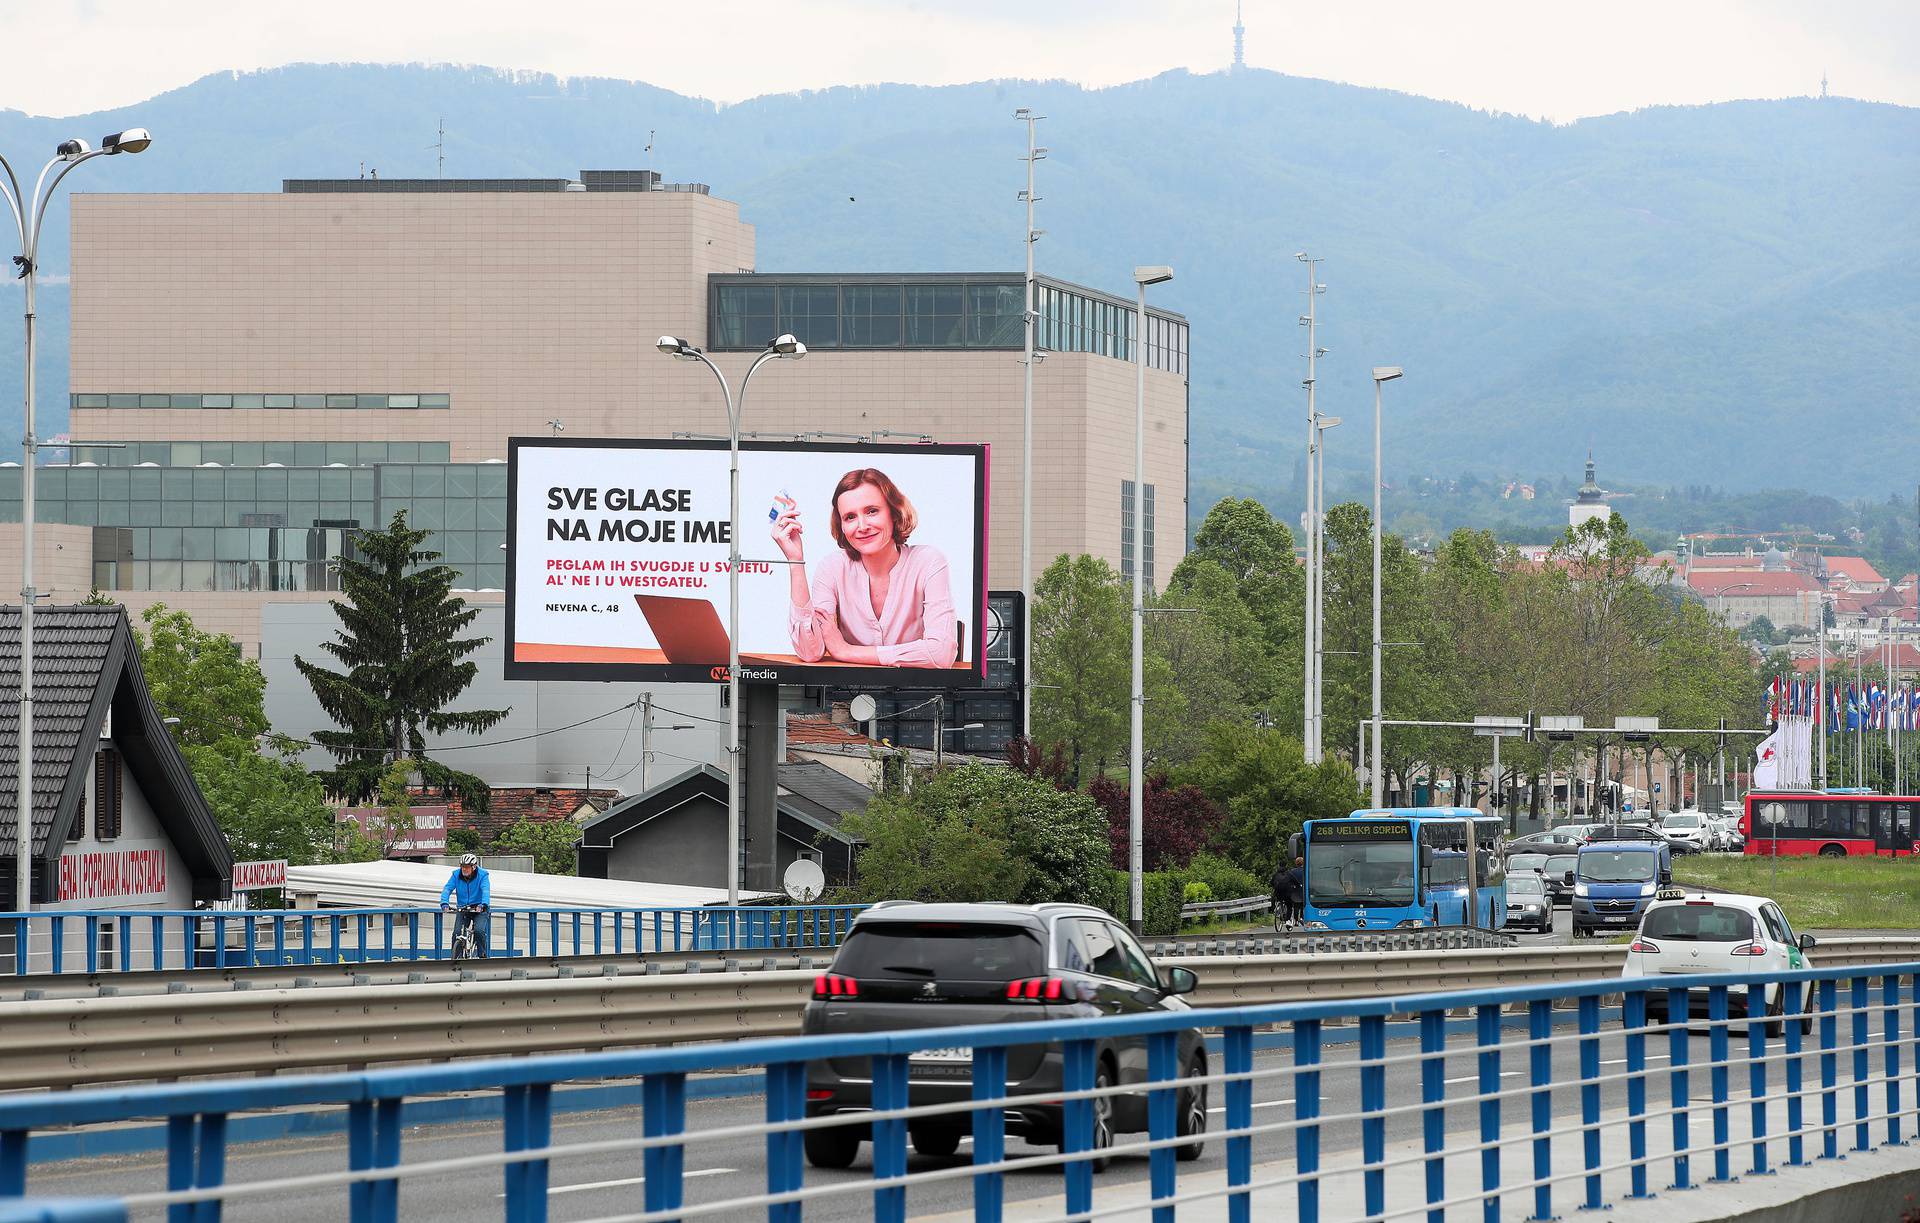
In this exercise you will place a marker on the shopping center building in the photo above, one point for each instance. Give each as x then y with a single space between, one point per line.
255 376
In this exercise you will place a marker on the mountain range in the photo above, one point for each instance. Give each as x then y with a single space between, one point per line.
1725 294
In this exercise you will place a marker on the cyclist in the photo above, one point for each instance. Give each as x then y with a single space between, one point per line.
471 891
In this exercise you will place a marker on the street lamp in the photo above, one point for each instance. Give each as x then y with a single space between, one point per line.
1142 277
781 347
28 212
1381 374
1310 320
1318 619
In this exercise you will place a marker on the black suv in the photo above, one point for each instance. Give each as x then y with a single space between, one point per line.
911 965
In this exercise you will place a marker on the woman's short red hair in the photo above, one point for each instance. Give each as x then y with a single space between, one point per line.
904 518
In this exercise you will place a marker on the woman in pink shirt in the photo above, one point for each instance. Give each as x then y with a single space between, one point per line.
877 600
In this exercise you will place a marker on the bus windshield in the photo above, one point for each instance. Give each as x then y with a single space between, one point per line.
1618 866
1360 874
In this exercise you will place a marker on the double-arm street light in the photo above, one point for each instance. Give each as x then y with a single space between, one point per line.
1375 774
28 213
785 346
1142 277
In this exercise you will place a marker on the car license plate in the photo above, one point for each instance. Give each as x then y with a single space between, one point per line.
941 1055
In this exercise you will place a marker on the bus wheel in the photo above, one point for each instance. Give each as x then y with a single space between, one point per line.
1833 851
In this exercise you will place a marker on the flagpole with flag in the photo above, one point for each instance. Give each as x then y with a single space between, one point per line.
1820 690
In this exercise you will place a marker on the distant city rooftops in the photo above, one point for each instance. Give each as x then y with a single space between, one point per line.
589 180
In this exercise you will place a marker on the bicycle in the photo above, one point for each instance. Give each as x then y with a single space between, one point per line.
466 935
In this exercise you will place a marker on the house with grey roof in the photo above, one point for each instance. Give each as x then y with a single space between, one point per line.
118 822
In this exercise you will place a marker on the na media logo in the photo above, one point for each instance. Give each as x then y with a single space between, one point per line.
719 674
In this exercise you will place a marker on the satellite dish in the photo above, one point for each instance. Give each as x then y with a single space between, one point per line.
804 880
862 708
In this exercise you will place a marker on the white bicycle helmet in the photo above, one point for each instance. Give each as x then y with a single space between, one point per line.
469 859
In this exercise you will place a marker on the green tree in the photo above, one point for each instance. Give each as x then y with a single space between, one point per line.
404 662
201 678
215 701
1080 661
976 833
267 805
1262 779
549 842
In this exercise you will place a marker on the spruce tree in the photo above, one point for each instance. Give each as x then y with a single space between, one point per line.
404 663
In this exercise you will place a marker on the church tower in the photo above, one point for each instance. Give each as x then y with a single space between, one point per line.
1590 505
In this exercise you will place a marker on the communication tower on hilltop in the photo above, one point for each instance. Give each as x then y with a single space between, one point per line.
1823 84
1240 40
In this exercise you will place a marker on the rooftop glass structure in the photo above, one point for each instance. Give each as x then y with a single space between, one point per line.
956 310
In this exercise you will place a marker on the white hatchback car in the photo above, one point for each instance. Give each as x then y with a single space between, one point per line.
1691 827
1683 934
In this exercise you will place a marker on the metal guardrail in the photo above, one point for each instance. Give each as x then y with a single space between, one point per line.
1854 1048
1225 908
146 940
70 1042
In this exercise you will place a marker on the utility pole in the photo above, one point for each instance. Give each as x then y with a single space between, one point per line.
1031 320
646 739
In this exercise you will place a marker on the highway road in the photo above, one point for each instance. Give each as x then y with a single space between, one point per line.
590 1187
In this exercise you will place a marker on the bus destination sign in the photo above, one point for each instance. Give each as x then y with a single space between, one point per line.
1360 830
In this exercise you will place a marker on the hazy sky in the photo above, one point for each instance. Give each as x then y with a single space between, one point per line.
1545 58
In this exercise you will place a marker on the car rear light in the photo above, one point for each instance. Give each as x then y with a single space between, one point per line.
1036 989
1749 949
819 1093
1644 947
833 985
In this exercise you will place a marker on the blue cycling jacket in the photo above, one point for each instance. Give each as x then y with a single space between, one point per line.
475 891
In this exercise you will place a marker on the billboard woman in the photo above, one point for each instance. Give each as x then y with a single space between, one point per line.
877 600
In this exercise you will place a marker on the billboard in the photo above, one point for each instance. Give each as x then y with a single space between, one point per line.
860 564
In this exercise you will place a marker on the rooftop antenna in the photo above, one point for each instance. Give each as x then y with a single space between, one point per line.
649 149
1823 82
439 146
1239 39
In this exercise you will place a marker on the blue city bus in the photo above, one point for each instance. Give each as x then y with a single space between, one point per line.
1403 868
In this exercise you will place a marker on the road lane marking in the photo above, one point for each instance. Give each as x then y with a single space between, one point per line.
1259 1104
626 1180
1474 1078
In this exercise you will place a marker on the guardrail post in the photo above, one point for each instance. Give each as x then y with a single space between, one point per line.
21 947
1678 1049
1433 1116
1540 1057
1633 1010
1076 1123
159 943
889 1138
1717 1078
989 1136
664 1099
93 945
527 1125
57 933
1757 1068
1373 1103
252 941
576 934
359 1158
596 930
1796 1146
1163 1067
1829 1068
1489 1034
211 1170
384 1201
181 1131
123 933
1589 1017
786 1168
279 938
1306 1113
1237 1050
1862 1136
13 1163
413 934
1890 1001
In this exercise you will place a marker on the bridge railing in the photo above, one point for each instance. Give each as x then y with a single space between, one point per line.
1845 1079
142 940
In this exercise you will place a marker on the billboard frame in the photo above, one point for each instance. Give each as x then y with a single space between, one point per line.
808 675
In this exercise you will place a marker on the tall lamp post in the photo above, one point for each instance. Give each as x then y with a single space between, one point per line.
1142 277
1030 319
1381 374
28 213
1322 423
1309 731
785 346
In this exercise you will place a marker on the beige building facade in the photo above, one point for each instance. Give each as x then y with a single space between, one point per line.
354 324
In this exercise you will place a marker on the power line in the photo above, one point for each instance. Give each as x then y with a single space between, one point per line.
459 747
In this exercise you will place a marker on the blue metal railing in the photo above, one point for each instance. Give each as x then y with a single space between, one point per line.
137 940
1443 1169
